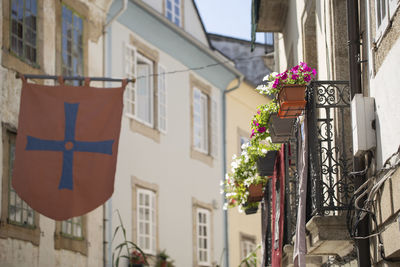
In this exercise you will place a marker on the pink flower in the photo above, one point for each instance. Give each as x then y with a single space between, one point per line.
258 111
276 83
284 76
261 129
295 68
295 76
252 133
307 68
307 78
314 72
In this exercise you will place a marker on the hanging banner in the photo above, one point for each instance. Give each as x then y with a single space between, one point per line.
278 197
67 146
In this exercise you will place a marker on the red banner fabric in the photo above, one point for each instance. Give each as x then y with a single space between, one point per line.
66 149
278 197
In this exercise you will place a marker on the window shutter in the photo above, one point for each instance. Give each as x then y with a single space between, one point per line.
130 67
214 128
162 100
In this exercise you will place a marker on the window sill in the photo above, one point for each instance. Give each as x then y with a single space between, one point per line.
73 244
200 156
145 130
20 232
13 62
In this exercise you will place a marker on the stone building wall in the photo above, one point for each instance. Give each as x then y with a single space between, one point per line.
14 251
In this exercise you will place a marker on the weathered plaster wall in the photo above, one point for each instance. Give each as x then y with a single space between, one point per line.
241 106
167 162
16 253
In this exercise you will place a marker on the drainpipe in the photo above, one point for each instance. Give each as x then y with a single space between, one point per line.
107 207
363 252
224 161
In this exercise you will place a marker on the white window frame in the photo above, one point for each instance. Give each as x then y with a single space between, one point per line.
390 9
246 246
173 12
200 236
203 114
152 221
145 60
130 59
162 94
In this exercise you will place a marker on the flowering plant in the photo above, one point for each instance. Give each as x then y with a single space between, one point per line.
137 257
300 75
244 173
259 123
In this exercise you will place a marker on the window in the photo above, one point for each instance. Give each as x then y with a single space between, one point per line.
146 100
162 100
247 245
72 228
144 91
173 11
203 253
21 221
204 122
71 235
72 44
203 237
146 220
23 29
385 10
130 71
139 96
200 118
243 140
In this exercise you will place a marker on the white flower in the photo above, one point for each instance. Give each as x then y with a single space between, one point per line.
240 209
234 165
226 176
221 191
264 151
234 156
225 207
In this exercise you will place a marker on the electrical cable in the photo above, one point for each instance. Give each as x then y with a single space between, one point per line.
233 60
356 213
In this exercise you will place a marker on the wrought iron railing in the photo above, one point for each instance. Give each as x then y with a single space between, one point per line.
330 147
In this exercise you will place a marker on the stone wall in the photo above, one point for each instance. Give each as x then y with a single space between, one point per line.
14 252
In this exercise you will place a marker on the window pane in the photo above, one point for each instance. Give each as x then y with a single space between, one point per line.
72 52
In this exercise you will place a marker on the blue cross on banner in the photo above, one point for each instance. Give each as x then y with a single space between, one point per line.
69 145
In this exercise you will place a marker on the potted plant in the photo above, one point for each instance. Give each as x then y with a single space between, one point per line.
289 86
134 255
137 259
280 129
244 186
163 260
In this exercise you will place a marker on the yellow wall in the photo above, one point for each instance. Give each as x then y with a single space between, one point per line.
241 106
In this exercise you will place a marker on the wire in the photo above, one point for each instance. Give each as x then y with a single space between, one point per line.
200 67
358 213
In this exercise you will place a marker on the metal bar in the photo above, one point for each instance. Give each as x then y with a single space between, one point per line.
78 78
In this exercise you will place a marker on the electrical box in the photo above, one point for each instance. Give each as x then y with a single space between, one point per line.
363 120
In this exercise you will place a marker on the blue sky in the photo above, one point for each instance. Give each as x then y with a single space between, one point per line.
227 17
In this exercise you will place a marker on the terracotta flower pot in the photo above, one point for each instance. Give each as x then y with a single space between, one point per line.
255 193
280 129
265 165
291 101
